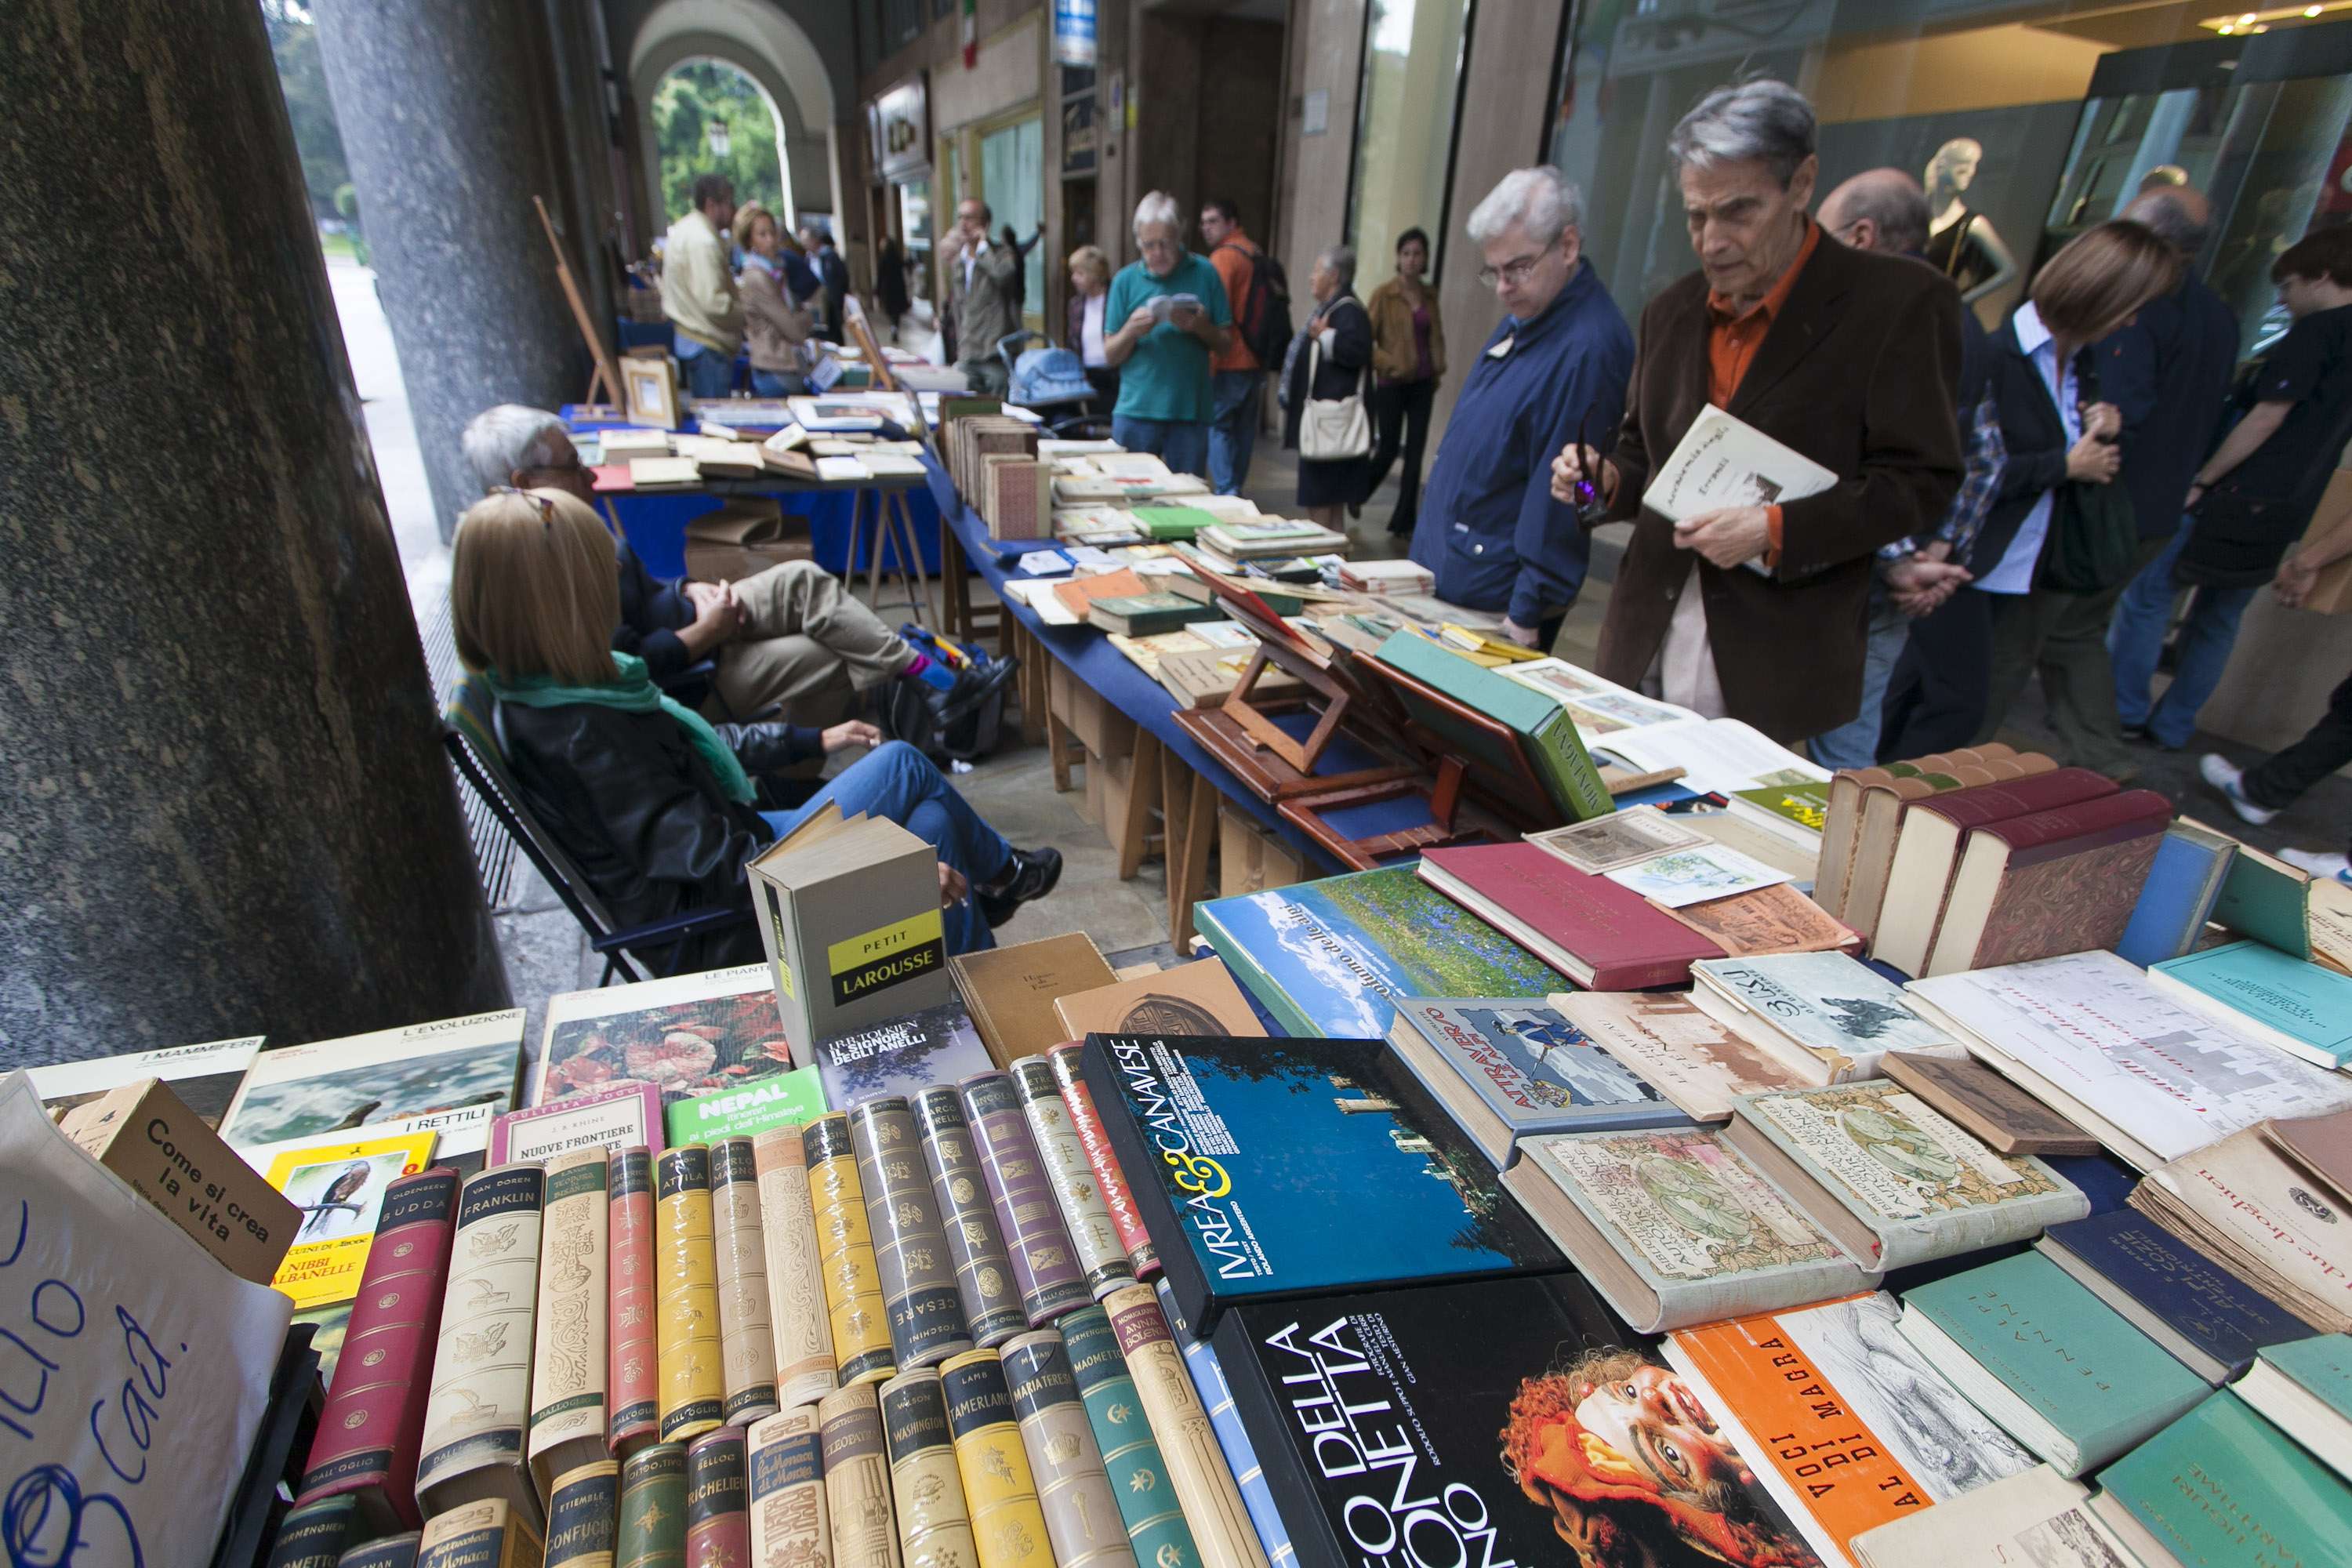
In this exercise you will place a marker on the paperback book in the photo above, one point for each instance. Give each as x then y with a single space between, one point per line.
2264 1203
620 1114
787 1099
2304 1388
1826 1016
340 1190
2213 1323
348 1083
2258 991
904 1056
204 1078
2035 1517
687 1035
2222 1487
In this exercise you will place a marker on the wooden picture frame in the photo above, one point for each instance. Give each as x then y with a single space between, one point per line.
649 389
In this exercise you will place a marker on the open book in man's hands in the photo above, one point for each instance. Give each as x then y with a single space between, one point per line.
1722 461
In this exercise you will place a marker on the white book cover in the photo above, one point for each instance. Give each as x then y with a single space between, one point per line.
1724 461
68 1084
337 1085
1714 754
2034 1519
1829 1002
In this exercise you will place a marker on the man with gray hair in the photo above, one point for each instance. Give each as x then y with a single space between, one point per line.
1553 373
1173 315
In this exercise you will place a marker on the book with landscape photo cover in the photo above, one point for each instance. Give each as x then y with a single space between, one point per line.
1605 936
2211 1321
338 1085
687 1035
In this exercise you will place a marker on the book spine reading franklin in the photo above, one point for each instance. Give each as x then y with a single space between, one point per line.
856 1479
374 1419
992 1302
1081 1515
852 1281
747 1340
788 1524
1045 1261
1008 1524
481 1360
803 1338
653 1509
717 1499
1139 1476
568 1362
1117 1196
933 1528
1100 1254
633 1409
686 1315
1188 1443
484 1534
583 1515
919 1290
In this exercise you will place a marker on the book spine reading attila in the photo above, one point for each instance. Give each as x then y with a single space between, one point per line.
856 1479
933 1526
1081 1516
583 1515
788 1522
991 1300
1008 1524
686 1316
1044 1261
852 1281
652 1508
717 1499
1100 1254
1139 1476
803 1338
568 1362
1117 1196
1188 1443
747 1340
919 1290
631 1345
481 1360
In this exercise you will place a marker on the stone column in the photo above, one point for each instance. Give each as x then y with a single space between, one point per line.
449 135
228 811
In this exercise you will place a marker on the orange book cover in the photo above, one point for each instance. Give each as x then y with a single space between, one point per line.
1080 593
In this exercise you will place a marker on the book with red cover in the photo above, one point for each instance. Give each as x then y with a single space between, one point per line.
1606 937
2054 882
374 1420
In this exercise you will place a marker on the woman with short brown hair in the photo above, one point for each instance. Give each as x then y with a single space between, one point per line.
1089 292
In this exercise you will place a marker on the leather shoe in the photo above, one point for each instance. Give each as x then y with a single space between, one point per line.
1033 874
973 684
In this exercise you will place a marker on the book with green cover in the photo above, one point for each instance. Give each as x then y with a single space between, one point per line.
788 1100
1807 804
1546 730
2222 1487
2267 899
1166 522
1147 615
2257 990
2304 1388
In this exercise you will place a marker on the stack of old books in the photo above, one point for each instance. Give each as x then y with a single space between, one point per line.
969 441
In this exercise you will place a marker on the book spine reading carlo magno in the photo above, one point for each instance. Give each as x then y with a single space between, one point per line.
685 1314
1139 1475
1188 1443
1045 1261
717 1499
853 1280
803 1338
1008 1523
1082 1518
747 1340
856 1479
583 1515
1088 1218
991 1300
633 1407
1117 1196
919 1290
787 1478
568 1362
933 1526
481 1357
652 1508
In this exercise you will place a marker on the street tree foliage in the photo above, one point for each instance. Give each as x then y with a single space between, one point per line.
684 104
294 40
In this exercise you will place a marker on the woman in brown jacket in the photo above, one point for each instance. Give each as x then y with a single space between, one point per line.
773 328
1408 362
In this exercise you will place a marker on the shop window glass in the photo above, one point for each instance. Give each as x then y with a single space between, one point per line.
1413 54
915 223
1012 182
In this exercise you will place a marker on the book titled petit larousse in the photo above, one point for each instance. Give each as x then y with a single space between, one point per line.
1258 1163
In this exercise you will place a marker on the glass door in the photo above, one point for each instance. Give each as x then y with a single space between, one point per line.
1013 184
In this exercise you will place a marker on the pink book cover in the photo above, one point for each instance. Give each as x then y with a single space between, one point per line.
1628 942
630 1367
1117 1196
614 1115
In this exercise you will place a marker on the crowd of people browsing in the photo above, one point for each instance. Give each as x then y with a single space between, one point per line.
734 282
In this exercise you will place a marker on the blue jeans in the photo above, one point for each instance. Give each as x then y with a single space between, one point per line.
775 384
1854 743
2136 640
1180 444
1232 429
898 781
708 373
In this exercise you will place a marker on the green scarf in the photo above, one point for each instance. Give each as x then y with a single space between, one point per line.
633 692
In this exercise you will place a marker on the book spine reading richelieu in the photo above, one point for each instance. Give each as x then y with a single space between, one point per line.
991 1301
1081 1516
1084 1213
583 1515
717 1499
653 1509
1188 1443
485 1534
568 1362
1008 1525
1117 1196
1139 1475
747 1340
805 1373
686 1311
1044 1262
856 1479
934 1531
314 1534
481 1358
788 1522
852 1283
632 1350
919 1287
374 1419
391 1552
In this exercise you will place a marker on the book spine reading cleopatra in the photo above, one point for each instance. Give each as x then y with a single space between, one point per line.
919 1289
653 1509
583 1515
1100 1253
1081 1515
1117 1196
934 1531
314 1534
568 1365
803 1338
391 1552
481 1358
1139 1475
747 1340
685 1314
991 1303
374 1419
632 1350
1045 1261
1008 1525
1188 1443
484 1534
717 1499
852 1282
856 1479
788 1524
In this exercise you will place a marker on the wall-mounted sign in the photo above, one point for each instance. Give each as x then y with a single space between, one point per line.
900 125
1073 32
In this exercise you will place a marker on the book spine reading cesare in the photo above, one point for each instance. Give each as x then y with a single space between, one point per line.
919 1289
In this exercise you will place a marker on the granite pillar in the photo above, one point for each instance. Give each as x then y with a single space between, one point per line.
450 131
228 811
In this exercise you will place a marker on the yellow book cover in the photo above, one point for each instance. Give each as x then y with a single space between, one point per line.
685 1310
1008 1523
338 1188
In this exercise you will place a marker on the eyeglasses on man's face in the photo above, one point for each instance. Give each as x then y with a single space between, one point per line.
1513 273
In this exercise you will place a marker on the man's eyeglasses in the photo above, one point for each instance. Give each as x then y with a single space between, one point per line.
1514 272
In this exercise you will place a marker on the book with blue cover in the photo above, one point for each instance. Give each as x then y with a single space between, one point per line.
2267 995
1208 1376
2222 1487
2178 896
2211 1321
2305 1387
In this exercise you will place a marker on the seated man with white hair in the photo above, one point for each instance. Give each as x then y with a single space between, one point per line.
1552 371
1161 354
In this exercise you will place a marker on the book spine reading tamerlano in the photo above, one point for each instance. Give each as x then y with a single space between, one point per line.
1008 1523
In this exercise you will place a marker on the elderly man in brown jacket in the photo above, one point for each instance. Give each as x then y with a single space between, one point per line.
1758 612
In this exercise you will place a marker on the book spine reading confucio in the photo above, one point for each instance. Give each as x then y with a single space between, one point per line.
788 1522
1044 1262
685 1314
933 1526
652 1508
583 1515
1100 1254
919 1290
805 1373
1008 1525
852 1282
485 1534
1117 1196
1081 1516
568 1365
717 1499
374 1419
1188 1444
632 1348
856 1480
1139 1475
481 1358
991 1301
747 1340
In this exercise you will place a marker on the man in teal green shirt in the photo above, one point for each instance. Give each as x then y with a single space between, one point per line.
1162 349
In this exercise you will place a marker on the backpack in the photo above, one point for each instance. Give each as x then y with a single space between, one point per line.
1262 315
1049 376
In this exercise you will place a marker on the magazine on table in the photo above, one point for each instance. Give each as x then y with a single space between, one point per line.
1724 461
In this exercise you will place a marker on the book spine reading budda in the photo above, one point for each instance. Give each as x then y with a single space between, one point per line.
1117 1196
633 1407
1008 1524
919 1290
991 1301
1045 1261
685 1314
803 1338
1081 1516
856 1479
481 1360
583 1515
1188 1443
747 1340
374 1420
568 1363
852 1281
1100 1254
1139 1476
652 1508
933 1526
487 1534
787 1488
717 1499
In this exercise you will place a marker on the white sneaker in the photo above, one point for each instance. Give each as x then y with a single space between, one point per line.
2319 865
2224 775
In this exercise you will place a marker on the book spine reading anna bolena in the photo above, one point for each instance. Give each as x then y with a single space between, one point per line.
486 1533
568 1366
481 1360
685 1314
374 1419
934 1530
653 1509
1100 1254
717 1499
1082 1518
787 1485
747 1340
853 1280
1204 1484
1117 1196
1156 1530
919 1287
1008 1524
991 1300
1044 1261
805 1371
583 1515
856 1479
632 1349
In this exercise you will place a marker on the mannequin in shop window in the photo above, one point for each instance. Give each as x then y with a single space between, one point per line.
1961 241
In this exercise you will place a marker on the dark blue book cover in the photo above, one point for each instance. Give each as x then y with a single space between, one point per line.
2210 1320
1276 1168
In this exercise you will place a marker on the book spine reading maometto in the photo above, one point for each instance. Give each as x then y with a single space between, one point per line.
747 1340
803 1338
856 1479
1045 1261
919 1290
852 1281
481 1361
632 1350
788 1522
991 1300
568 1361
1081 1516
1100 1254
1139 1475
933 1525
685 1312
1196 1465
1008 1523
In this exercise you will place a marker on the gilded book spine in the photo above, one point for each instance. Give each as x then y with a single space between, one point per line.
1081 1516
568 1362
481 1362
583 1515
630 1350
1139 1476
991 1301
747 1340
919 1287
1008 1525
1117 1196
314 1534
484 1534
1044 1263
652 1508
1101 1256
787 1485
1196 1464
852 1283
686 1315
391 1552
934 1531
718 1500
803 1338
856 1479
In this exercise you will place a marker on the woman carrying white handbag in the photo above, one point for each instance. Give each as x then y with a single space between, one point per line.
1324 379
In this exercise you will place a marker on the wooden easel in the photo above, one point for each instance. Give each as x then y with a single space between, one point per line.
607 374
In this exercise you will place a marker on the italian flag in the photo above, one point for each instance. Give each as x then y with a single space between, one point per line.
968 27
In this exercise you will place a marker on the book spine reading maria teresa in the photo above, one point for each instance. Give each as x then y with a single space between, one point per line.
992 1302
788 1524
1117 1196
933 1528
481 1360
1188 1443
1008 1524
852 1282
1081 1516
653 1509
1100 1254
568 1362
1044 1261
856 1479
747 1340
631 1346
805 1371
1139 1476
583 1515
717 1499
686 1315
484 1534
919 1290
375 1418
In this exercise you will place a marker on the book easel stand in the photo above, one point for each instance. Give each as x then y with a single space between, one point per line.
607 374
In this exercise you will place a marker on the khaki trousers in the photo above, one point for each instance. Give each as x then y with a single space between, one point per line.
808 644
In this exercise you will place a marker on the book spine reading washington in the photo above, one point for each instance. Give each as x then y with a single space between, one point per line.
481 1358
991 1301
1100 1254
853 1280
747 1340
1008 1524
919 1287
686 1314
933 1526
787 1477
1188 1443
856 1479
1117 1196
717 1499
652 1508
1139 1475
795 1299
374 1419
634 1407
1082 1518
1044 1261
583 1515
568 1365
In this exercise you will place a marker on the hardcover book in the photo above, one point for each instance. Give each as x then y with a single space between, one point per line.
717 1499
391 1552
1010 991
2213 1323
999 1488
687 1035
2267 899
1607 937
632 1351
568 1371
805 1371
933 1526
1147 615
479 1400
900 1055
492 1532
1233 1438
1546 731
2004 1116
1044 1261
300 1091
2036 1516
787 1488
852 1279
1155 1531
1203 1486
652 1508
747 1340
204 1076
624 1113
689 1371
793 1098
1687 1054
2055 882
2222 1487
583 1515
2183 885
338 1189
993 1306
2262 992
1825 1015
1068 1063
2304 1388
1082 1515
1777 919
1196 998
1101 1258
919 1287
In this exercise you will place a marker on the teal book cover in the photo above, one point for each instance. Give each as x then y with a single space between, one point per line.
2311 1006
2222 1487
1548 733
2321 1364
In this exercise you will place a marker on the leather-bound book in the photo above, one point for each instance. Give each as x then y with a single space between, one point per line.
481 1397
2055 882
1081 1515
787 1477
934 1528
568 1361
393 1552
717 1499
1045 1261
803 1338
1008 1524
1147 1508
583 1515
1099 1252
919 1287
852 1279
1010 991
1607 937
632 1397
991 1300
1118 1197
315 1534
856 1479
686 1308
1188 1444
747 1340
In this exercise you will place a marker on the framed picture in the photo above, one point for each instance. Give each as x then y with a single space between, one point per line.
649 389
